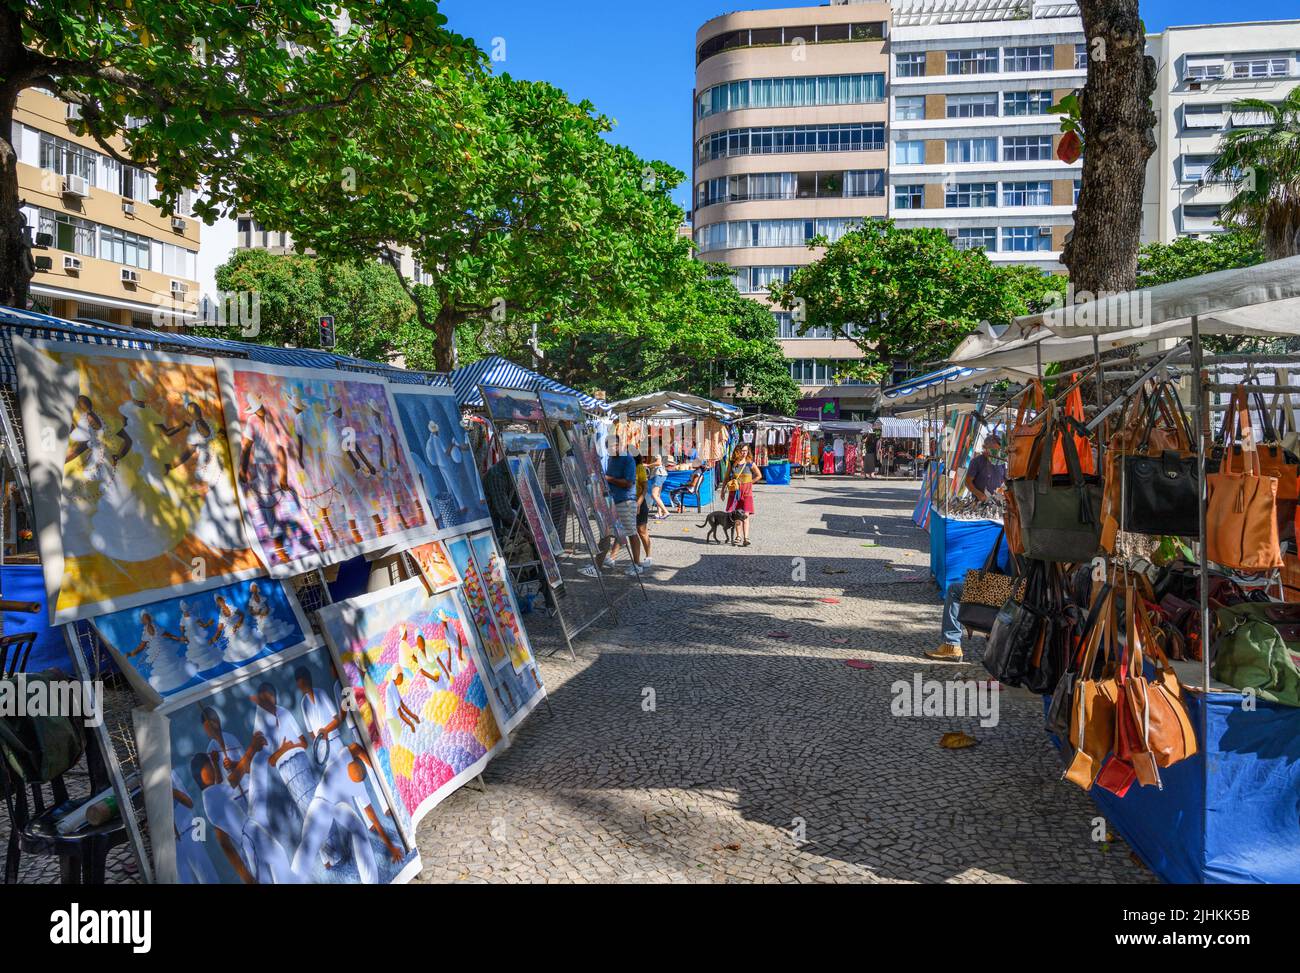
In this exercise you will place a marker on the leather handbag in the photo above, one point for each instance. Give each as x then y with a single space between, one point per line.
1274 460
1257 650
1016 629
1092 708
987 589
1162 492
1155 706
1241 515
1055 644
1059 710
1060 516
1022 441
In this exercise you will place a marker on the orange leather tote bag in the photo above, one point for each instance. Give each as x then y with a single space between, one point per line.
1241 519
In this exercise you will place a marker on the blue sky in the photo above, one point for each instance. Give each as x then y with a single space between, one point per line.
634 60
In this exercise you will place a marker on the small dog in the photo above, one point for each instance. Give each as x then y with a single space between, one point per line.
724 521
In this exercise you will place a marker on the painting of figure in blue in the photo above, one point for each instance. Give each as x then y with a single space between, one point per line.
440 452
172 647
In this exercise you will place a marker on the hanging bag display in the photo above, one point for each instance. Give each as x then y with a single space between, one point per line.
986 590
1022 455
1014 636
1060 516
1092 708
1058 711
1241 515
1155 706
1162 494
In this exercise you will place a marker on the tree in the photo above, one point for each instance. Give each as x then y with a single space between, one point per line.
208 86
374 318
900 294
522 210
1118 123
1263 164
1160 263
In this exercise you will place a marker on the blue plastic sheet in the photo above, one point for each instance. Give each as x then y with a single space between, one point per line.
777 474
1238 823
958 546
25 582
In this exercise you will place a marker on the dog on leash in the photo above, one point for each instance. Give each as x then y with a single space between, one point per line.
723 520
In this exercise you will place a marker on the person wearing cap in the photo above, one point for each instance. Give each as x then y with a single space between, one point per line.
986 476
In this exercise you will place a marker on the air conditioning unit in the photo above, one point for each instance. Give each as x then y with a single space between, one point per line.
179 289
1044 231
72 265
45 240
129 276
78 186
44 263
128 207
73 112
178 224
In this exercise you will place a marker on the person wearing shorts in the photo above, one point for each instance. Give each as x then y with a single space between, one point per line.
620 474
643 510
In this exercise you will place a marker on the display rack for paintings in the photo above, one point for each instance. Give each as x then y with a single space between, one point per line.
555 514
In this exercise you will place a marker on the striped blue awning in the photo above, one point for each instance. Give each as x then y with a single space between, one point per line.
29 324
952 373
495 371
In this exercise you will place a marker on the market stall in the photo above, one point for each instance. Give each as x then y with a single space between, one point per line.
688 432
781 446
1206 790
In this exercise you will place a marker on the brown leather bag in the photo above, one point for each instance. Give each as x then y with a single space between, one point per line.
1241 518
1092 710
1023 440
1154 705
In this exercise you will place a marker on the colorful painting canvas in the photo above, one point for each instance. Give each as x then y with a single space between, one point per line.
435 564
132 479
559 407
545 537
414 663
512 670
504 405
170 648
321 471
267 779
440 454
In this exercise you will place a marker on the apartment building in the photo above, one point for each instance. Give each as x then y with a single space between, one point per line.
973 140
102 250
1203 70
252 235
790 125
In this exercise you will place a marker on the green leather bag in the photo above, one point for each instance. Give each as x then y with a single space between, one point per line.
1257 649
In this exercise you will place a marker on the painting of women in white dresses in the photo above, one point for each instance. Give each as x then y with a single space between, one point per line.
321 472
441 455
132 479
172 647
270 783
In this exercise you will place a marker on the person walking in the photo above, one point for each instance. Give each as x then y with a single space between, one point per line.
643 510
658 477
741 477
620 474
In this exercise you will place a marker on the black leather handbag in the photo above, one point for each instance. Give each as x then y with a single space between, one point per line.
985 591
1017 629
1162 494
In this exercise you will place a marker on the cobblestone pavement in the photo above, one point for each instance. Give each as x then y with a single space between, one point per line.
761 734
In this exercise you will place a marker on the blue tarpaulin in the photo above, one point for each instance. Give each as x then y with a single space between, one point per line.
1238 823
26 582
958 546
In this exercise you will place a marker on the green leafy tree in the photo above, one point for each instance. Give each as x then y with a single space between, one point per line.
374 318
520 210
899 294
1160 263
207 86
1263 164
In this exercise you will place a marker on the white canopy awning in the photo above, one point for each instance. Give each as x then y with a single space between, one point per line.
683 404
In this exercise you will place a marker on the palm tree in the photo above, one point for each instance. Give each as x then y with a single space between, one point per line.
1263 164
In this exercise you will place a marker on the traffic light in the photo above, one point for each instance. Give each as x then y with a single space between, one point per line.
327 331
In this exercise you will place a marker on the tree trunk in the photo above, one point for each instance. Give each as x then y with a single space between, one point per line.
15 260
1118 123
444 337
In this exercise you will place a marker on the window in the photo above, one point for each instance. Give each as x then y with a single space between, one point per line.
1026 148
1026 239
909 153
66 158
909 197
1081 57
967 194
761 278
179 262
978 61
770 36
1261 67
973 106
976 238
771 233
869 136
844 89
973 150
864 182
136 184
1027 193
122 247
1018 59
910 65
70 233
1078 184
810 371
1202 116
909 108
1200 218
1195 168
1026 102
1204 68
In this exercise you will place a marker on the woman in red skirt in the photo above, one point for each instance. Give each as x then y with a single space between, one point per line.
745 473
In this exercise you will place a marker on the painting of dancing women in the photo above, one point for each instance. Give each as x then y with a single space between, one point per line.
414 664
320 473
172 648
267 780
511 672
441 455
132 479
